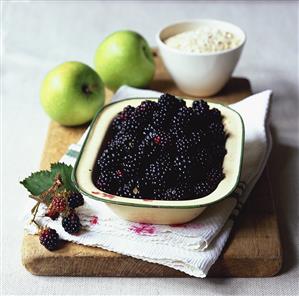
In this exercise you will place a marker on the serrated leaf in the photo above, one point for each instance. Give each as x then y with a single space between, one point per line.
66 172
38 182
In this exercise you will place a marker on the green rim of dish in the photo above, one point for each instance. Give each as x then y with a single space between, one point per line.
149 204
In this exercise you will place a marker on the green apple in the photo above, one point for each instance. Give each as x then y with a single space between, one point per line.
71 93
125 57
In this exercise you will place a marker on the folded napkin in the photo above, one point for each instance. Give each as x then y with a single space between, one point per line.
192 247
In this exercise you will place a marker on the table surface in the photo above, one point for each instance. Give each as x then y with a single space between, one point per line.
40 35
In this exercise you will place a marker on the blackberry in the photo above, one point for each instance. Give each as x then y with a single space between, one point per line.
71 223
75 200
153 143
156 175
217 152
131 164
198 137
214 176
183 165
216 129
177 132
202 189
200 107
49 238
108 160
58 204
161 119
118 121
147 149
174 193
107 182
124 143
183 118
158 137
119 176
183 145
215 115
157 194
202 158
132 126
145 187
127 112
164 159
130 189
116 125
52 214
170 103
144 112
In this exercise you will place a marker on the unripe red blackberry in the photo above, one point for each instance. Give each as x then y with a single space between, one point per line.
58 204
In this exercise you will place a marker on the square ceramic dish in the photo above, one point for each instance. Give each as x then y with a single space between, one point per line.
157 211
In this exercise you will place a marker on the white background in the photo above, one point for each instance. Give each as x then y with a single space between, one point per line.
40 35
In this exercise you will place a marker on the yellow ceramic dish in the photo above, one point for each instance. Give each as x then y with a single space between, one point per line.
157 211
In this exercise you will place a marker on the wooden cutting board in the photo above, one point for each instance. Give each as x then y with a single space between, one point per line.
253 249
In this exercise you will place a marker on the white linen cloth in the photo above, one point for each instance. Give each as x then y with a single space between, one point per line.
192 247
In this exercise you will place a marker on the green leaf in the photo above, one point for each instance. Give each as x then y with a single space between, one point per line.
38 182
66 172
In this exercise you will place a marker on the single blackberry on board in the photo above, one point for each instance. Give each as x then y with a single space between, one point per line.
49 238
71 223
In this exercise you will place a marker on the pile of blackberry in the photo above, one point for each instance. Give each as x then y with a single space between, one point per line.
163 150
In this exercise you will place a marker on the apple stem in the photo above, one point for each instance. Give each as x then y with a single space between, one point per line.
86 89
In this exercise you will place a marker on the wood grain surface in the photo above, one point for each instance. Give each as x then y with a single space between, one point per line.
253 249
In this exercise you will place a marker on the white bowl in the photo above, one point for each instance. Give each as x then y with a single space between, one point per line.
199 74
150 210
